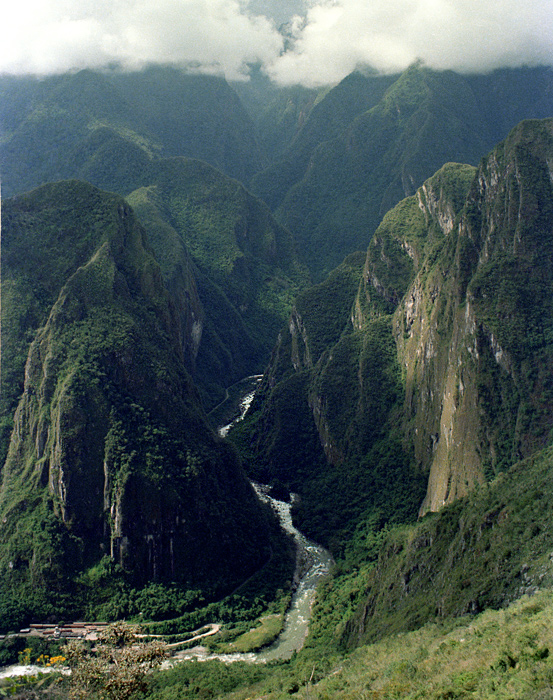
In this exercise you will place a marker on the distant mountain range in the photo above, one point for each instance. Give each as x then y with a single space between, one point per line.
160 241
330 163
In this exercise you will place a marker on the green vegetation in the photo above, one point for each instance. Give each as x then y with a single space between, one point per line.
231 237
268 629
113 477
423 365
505 654
345 392
278 112
387 136
106 127
237 264
324 117
483 551
497 654
354 385
117 668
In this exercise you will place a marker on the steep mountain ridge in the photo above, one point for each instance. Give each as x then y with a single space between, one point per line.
101 126
111 458
127 133
437 368
325 420
331 113
474 331
343 182
244 263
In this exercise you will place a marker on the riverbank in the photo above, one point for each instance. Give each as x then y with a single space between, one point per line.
312 566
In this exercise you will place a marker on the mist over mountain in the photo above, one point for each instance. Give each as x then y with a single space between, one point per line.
309 43
329 163
106 128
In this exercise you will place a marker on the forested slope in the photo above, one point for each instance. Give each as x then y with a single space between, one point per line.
428 364
112 472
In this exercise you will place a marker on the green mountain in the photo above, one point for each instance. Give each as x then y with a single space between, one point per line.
473 333
330 163
487 298
277 112
244 264
331 112
107 127
407 399
427 361
484 551
111 468
374 140
322 422
127 133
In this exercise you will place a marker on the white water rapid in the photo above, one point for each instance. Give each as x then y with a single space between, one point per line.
313 563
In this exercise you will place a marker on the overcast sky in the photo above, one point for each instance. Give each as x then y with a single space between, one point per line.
326 39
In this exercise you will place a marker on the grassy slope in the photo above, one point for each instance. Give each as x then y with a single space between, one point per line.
492 548
484 550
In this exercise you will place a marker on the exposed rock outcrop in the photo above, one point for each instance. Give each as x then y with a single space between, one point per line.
472 330
440 365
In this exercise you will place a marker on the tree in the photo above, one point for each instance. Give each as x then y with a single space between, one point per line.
117 668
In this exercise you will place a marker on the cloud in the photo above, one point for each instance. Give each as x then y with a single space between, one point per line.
464 35
325 40
49 36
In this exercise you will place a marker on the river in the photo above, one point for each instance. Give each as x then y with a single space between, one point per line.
313 564
313 561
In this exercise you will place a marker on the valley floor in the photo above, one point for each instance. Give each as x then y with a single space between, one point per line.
503 654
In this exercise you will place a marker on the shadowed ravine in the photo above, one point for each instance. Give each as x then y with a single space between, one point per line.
313 563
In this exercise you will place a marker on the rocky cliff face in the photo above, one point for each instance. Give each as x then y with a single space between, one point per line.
473 330
324 422
468 272
110 454
440 364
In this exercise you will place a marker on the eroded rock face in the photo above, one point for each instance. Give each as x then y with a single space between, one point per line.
446 345
472 330
109 438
